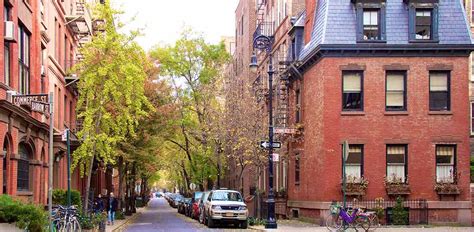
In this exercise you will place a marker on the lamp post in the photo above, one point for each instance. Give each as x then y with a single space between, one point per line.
265 43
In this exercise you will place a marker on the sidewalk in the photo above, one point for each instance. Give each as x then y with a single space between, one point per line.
120 225
297 226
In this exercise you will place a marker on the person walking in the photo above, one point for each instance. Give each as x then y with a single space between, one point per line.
112 207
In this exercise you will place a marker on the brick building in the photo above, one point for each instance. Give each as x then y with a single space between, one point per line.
41 43
390 77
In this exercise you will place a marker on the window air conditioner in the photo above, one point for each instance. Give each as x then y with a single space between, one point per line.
9 33
10 94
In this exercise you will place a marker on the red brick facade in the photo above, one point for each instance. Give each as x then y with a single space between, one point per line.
326 126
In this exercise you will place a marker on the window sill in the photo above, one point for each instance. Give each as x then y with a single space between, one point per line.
352 113
396 113
371 41
24 193
440 113
423 41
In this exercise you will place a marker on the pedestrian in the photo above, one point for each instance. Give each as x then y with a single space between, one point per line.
99 204
112 207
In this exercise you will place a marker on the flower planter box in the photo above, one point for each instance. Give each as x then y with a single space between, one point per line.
447 189
397 189
355 189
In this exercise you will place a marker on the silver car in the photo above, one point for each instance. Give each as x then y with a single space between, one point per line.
225 206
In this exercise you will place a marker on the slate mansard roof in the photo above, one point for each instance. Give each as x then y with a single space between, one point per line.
336 24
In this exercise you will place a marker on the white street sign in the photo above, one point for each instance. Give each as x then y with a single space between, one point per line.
276 157
284 130
266 144
64 135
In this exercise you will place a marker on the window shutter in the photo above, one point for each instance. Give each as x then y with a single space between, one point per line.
411 22
360 21
382 23
434 25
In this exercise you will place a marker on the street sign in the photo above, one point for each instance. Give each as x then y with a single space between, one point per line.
192 186
284 130
64 135
266 144
42 107
276 157
22 100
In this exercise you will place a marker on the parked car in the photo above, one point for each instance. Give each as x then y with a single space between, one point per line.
202 202
187 207
175 199
181 205
225 206
195 200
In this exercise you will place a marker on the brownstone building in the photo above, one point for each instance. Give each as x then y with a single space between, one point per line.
390 78
41 41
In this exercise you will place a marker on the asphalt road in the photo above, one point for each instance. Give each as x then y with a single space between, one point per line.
161 217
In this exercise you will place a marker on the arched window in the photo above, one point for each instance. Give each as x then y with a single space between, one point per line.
23 181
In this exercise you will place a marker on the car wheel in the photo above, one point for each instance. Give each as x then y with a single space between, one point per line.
210 223
244 225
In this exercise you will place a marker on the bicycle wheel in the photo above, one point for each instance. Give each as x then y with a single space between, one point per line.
76 225
333 222
374 222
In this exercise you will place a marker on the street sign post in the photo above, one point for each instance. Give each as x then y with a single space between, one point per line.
266 145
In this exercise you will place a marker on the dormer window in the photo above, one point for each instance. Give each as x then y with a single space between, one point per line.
423 21
370 21
371 24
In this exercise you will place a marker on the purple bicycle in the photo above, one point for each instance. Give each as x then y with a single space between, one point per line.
342 219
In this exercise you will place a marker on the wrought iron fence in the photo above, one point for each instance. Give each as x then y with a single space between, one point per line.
417 209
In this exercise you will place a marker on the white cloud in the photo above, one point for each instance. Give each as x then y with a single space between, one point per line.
163 20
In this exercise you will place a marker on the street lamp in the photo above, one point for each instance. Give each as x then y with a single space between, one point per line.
265 43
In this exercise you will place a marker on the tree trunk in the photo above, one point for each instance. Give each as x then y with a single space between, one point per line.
88 182
120 196
127 191
134 193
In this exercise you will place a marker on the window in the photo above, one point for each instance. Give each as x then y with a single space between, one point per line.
297 169
423 27
445 163
395 93
354 162
371 25
6 49
24 60
297 106
23 178
352 96
396 163
439 91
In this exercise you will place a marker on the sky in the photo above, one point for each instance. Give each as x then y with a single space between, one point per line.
163 20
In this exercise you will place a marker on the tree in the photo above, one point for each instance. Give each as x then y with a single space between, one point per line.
111 91
195 69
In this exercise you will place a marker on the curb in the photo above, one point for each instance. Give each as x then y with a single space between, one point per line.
257 228
127 222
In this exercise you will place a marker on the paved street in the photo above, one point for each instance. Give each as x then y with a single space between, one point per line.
161 217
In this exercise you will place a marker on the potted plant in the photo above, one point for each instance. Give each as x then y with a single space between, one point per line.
356 186
281 193
396 186
448 185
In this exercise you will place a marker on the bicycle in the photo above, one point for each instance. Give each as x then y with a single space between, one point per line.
340 218
66 219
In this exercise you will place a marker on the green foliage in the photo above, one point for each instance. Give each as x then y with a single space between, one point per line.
399 213
119 215
256 221
195 68
111 87
24 216
60 197
89 222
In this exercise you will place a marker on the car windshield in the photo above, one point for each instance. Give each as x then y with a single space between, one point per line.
226 196
197 195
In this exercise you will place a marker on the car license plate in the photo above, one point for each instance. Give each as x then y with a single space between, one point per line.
229 214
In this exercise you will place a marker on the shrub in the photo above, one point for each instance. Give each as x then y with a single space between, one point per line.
60 197
400 214
25 216
119 215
